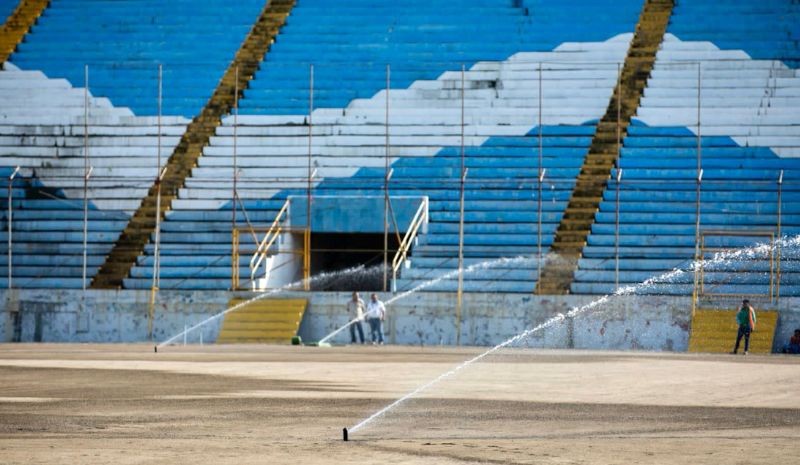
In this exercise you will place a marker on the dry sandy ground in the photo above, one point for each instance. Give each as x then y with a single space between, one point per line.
238 405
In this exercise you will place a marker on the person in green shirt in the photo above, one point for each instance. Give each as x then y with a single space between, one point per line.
746 318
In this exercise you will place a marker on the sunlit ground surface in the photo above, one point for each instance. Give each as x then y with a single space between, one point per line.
266 404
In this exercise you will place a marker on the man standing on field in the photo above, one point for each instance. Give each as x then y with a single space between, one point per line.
746 317
376 313
355 310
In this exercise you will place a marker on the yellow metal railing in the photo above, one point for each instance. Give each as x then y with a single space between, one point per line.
420 218
270 237
265 246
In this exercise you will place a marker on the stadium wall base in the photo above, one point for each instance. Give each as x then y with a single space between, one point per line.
658 323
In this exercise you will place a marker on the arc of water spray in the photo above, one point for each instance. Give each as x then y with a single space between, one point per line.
475 266
256 298
717 258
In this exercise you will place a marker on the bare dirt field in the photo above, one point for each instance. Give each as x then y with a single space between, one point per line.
124 404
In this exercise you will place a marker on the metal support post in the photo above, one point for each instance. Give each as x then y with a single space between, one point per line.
386 186
699 125
542 174
698 190
616 231
234 179
619 112
10 223
86 177
541 178
157 246
156 255
780 238
307 235
697 264
619 174
460 290
86 172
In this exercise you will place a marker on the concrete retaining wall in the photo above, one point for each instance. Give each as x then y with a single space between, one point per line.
488 319
658 323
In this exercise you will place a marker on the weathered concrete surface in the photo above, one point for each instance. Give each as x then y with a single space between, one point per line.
488 319
788 321
659 323
111 316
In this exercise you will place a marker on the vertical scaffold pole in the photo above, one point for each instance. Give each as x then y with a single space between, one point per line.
307 235
619 174
460 290
697 193
234 181
85 172
157 246
616 231
539 206
10 223
386 186
157 249
780 236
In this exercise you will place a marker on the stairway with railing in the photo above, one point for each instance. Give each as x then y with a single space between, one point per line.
277 143
530 186
348 154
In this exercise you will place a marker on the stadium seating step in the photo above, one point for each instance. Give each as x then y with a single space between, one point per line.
136 235
262 321
597 167
715 331
18 24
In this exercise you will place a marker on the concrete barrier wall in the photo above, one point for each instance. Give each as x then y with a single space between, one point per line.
109 316
658 323
488 319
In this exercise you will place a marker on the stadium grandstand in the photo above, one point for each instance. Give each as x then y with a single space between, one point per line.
399 232
210 146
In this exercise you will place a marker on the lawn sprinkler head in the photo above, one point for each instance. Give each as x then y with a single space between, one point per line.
318 344
344 434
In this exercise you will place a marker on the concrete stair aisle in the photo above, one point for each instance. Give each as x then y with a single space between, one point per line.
576 223
263 321
18 24
715 331
137 234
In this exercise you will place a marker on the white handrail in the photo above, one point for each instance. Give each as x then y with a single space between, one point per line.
269 238
420 217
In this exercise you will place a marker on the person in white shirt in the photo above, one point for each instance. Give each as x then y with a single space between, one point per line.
355 310
375 315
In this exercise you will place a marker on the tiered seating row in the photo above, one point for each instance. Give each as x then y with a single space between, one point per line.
47 235
765 30
425 123
751 132
6 9
124 41
42 131
351 46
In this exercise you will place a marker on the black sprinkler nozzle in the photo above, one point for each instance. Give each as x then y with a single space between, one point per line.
344 434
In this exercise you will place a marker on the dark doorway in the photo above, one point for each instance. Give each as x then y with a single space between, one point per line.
331 252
